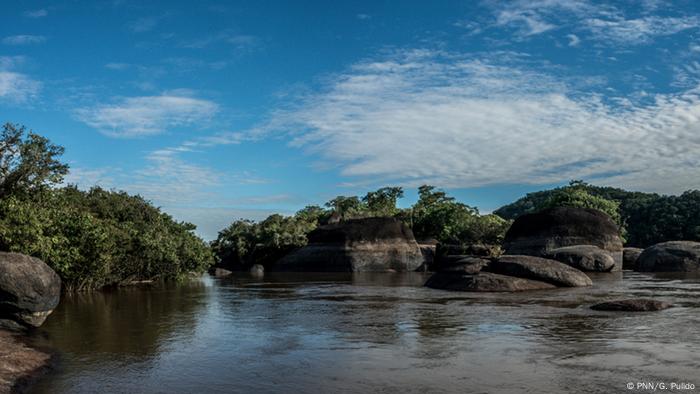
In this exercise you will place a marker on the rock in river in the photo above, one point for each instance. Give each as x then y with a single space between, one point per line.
672 256
539 269
29 289
629 257
587 258
535 234
357 245
483 282
632 305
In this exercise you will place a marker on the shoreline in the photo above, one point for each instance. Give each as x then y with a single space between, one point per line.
21 364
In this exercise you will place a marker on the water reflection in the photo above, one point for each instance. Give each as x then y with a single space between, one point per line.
367 333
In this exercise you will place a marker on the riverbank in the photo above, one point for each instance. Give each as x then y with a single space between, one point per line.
20 364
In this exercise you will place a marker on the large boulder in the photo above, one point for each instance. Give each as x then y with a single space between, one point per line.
483 282
357 245
29 290
535 234
629 257
539 269
586 258
672 256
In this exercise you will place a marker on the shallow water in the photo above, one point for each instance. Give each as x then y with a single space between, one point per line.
370 333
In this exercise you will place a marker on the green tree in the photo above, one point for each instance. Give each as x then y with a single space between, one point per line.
28 161
382 202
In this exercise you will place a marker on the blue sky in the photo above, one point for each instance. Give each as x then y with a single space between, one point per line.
220 110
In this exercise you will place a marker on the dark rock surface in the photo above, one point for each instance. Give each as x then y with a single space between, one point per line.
483 282
672 256
632 305
29 289
535 234
539 269
20 364
358 245
219 272
629 257
587 258
464 264
257 269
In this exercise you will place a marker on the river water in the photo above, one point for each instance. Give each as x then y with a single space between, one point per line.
366 333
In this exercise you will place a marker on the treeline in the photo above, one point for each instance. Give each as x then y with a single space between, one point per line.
90 238
645 218
435 216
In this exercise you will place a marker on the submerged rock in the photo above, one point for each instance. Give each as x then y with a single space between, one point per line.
629 257
29 289
19 363
483 282
257 270
672 256
358 245
632 305
539 269
219 272
587 258
535 234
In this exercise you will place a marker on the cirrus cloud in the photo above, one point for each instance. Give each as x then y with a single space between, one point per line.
146 115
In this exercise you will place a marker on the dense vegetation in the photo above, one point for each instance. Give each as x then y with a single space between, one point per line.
434 216
645 218
90 238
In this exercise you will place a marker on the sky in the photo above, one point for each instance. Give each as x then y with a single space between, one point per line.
218 110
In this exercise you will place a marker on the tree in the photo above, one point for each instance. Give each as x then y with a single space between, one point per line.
383 201
346 207
28 163
576 195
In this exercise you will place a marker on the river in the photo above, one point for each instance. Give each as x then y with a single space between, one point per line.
362 333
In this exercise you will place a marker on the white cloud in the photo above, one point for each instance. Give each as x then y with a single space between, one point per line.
16 87
433 118
146 115
117 66
638 31
573 40
23 39
36 13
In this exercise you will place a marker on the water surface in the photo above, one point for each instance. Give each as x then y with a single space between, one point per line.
365 333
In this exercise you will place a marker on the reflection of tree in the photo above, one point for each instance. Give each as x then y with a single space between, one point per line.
131 320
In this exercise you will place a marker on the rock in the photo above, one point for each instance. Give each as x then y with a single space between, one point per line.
465 264
20 364
629 257
358 245
427 249
481 250
587 258
483 282
29 289
257 269
632 305
672 256
535 234
220 272
539 269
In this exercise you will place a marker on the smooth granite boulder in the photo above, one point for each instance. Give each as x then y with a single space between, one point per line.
29 289
632 305
483 282
357 245
538 269
535 234
672 256
629 257
587 258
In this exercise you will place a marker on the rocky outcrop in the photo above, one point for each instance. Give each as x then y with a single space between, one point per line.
587 258
629 257
358 245
672 256
505 273
539 269
535 234
632 305
20 364
483 282
257 270
29 290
